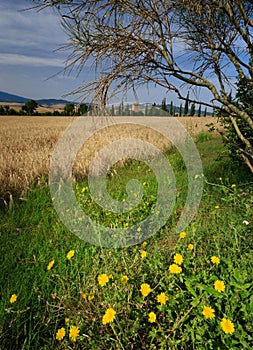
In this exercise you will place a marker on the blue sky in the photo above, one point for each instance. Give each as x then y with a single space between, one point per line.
30 61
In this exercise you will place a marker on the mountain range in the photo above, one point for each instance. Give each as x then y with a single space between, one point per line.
7 97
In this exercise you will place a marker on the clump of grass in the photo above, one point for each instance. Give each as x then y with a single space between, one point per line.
189 291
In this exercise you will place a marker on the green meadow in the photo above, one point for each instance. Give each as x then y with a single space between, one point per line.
187 290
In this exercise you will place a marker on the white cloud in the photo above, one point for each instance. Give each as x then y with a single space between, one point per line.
16 59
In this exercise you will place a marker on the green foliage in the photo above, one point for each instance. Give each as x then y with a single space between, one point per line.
69 109
68 293
29 107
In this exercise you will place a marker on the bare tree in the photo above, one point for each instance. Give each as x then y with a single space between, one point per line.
203 44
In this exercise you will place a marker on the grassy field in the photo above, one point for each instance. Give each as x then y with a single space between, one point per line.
188 290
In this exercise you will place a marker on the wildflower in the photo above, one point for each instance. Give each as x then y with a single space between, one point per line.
145 289
70 254
227 326
138 229
13 298
217 207
91 297
215 260
84 189
190 246
174 268
124 279
152 317
178 259
73 333
60 334
245 222
233 185
182 234
110 276
208 312
67 319
162 298
144 244
144 183
143 254
84 296
109 316
103 279
50 265
126 224
196 176
219 286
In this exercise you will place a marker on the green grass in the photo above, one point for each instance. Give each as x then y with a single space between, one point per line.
32 236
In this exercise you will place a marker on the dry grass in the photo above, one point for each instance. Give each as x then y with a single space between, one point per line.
27 144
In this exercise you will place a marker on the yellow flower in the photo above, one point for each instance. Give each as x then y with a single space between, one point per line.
139 229
215 260
178 259
110 276
109 316
124 279
126 224
162 298
233 185
73 333
13 298
219 286
91 297
217 207
84 296
208 312
143 254
196 176
190 246
174 268
70 254
227 326
144 244
50 265
103 279
145 289
152 317
67 320
60 334
182 234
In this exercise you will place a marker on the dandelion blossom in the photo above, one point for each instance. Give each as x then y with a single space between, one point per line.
144 244
60 334
91 297
219 286
50 265
143 254
162 298
190 246
182 234
174 269
109 316
103 279
208 312
227 326
70 254
233 185
217 207
178 259
152 317
124 279
73 333
145 289
13 298
67 319
215 260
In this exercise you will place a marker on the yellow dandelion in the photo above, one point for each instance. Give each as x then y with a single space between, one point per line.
13 298
151 317
145 289
110 276
174 269
70 254
178 259
219 286
233 185
208 312
190 246
143 254
227 326
144 244
109 316
139 229
50 265
182 234
124 279
144 183
217 207
162 298
73 333
67 319
91 297
103 279
215 260
84 296
60 334
126 224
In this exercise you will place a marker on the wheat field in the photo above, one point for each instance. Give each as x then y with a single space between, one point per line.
27 144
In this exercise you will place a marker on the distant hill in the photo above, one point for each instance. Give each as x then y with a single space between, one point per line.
6 97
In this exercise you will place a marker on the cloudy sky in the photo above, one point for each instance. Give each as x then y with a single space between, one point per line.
30 61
